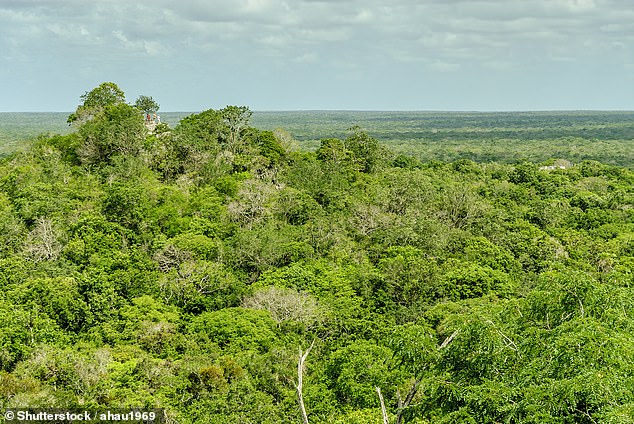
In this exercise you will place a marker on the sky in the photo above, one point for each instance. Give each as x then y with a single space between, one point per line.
443 55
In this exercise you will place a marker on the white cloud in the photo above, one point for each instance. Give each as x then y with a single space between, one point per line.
346 38
442 28
307 58
441 66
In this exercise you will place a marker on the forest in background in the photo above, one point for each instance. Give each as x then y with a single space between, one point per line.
188 269
447 136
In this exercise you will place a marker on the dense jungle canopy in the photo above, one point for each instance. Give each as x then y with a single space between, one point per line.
185 268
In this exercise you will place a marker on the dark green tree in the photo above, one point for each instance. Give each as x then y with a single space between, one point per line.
117 129
94 101
146 104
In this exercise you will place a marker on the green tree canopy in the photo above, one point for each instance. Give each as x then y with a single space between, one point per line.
147 104
95 100
116 129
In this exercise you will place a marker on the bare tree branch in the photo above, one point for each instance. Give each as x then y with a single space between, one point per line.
402 405
383 410
299 385
448 339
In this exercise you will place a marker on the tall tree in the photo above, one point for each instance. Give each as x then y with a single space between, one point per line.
95 100
236 119
147 104
117 130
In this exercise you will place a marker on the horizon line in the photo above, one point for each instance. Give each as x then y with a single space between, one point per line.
384 111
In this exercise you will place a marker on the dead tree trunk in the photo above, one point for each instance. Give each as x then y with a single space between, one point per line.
402 405
386 420
300 375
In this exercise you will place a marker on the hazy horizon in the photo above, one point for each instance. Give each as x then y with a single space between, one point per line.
483 111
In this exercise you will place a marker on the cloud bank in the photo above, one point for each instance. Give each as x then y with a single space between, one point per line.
351 46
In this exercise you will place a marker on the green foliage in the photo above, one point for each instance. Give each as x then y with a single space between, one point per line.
11 227
270 147
524 173
236 121
269 246
538 137
337 157
146 104
235 329
197 286
60 299
108 93
183 269
116 130
414 348
356 370
22 329
360 416
407 278
201 128
482 251
463 280
94 101
367 151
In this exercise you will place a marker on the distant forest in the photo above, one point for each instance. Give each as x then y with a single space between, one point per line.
319 267
446 136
